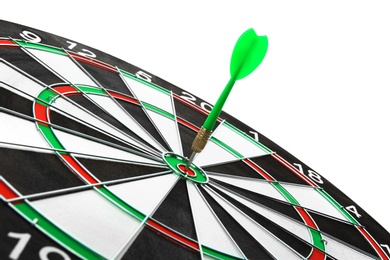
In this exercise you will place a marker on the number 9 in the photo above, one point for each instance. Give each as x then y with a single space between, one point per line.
30 37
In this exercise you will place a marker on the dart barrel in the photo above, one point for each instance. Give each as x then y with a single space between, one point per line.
200 140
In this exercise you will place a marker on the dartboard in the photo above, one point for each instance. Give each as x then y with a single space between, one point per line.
93 157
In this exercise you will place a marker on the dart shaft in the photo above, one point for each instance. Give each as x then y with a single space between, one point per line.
214 114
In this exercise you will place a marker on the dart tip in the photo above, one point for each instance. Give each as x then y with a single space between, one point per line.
189 161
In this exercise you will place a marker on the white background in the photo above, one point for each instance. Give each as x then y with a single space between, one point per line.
320 93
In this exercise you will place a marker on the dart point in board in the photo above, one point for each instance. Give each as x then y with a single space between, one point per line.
248 53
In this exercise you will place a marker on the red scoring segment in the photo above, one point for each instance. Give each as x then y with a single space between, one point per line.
6 192
171 234
93 62
187 171
8 44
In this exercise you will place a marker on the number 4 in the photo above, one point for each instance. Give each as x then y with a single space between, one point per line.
353 210
386 247
255 135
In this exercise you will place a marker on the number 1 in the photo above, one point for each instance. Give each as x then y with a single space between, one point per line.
43 252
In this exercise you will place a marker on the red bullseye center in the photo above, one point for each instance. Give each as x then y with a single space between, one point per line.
187 171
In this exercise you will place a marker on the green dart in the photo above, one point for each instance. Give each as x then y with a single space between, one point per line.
247 55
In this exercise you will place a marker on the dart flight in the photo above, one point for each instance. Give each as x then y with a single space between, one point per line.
247 55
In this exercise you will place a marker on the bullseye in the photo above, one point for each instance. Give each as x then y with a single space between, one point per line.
186 170
178 164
